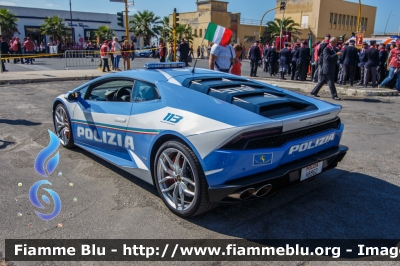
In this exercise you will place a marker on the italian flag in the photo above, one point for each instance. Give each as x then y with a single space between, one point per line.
218 34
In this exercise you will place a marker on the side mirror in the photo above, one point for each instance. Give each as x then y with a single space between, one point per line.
73 96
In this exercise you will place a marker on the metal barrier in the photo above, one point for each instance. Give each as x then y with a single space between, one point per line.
78 58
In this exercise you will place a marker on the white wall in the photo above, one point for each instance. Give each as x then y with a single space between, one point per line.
34 17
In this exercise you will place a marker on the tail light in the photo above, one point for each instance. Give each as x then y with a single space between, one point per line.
240 141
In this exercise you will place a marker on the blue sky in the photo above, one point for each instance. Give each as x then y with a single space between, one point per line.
250 9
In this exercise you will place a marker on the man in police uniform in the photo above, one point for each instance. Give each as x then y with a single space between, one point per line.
183 50
303 58
371 59
272 57
284 60
349 58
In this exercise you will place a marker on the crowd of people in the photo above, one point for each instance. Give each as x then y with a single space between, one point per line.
115 51
329 61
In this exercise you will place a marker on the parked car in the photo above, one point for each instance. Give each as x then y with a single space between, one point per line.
204 137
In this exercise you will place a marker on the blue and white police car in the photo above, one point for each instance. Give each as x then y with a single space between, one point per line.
201 137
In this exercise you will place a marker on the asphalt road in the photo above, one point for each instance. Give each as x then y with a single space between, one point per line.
359 200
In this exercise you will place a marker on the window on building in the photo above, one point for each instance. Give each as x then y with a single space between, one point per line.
35 34
351 21
343 19
68 36
340 19
347 20
195 32
331 18
365 23
90 35
249 39
362 23
201 33
304 22
335 20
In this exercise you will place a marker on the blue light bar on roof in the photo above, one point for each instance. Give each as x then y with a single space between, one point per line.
164 65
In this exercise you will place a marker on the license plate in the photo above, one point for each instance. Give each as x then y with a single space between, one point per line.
311 171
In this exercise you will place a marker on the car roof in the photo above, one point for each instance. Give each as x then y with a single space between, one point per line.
173 75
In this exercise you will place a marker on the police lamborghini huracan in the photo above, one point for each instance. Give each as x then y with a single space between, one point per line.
201 137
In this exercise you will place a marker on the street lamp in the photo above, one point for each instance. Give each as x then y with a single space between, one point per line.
70 15
359 16
283 17
259 33
388 21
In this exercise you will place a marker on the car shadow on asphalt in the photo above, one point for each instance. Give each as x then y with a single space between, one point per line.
137 181
367 100
338 204
19 122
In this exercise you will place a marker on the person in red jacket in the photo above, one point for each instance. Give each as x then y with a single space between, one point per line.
29 49
17 51
394 66
104 55
236 68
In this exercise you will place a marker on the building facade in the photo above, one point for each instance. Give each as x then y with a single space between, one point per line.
336 17
83 23
217 12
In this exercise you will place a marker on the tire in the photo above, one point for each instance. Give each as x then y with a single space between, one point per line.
179 176
62 126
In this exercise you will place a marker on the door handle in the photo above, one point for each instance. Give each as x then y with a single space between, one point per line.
120 119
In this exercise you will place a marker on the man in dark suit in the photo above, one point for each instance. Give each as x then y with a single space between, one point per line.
361 63
4 53
303 59
284 60
294 60
255 56
272 56
371 59
321 48
350 59
382 61
266 63
183 50
329 58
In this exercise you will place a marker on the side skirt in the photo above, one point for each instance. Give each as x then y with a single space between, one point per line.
123 164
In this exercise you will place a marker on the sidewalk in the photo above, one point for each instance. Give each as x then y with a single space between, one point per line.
48 76
66 75
308 86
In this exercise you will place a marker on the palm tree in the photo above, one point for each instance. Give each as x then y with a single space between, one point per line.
54 26
185 31
273 29
8 22
165 31
104 33
145 24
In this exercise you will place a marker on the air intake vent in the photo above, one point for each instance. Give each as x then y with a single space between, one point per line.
279 140
274 137
280 109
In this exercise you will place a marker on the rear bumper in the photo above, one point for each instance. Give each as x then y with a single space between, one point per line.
280 178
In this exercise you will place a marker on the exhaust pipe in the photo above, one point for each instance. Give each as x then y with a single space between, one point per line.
244 194
262 191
